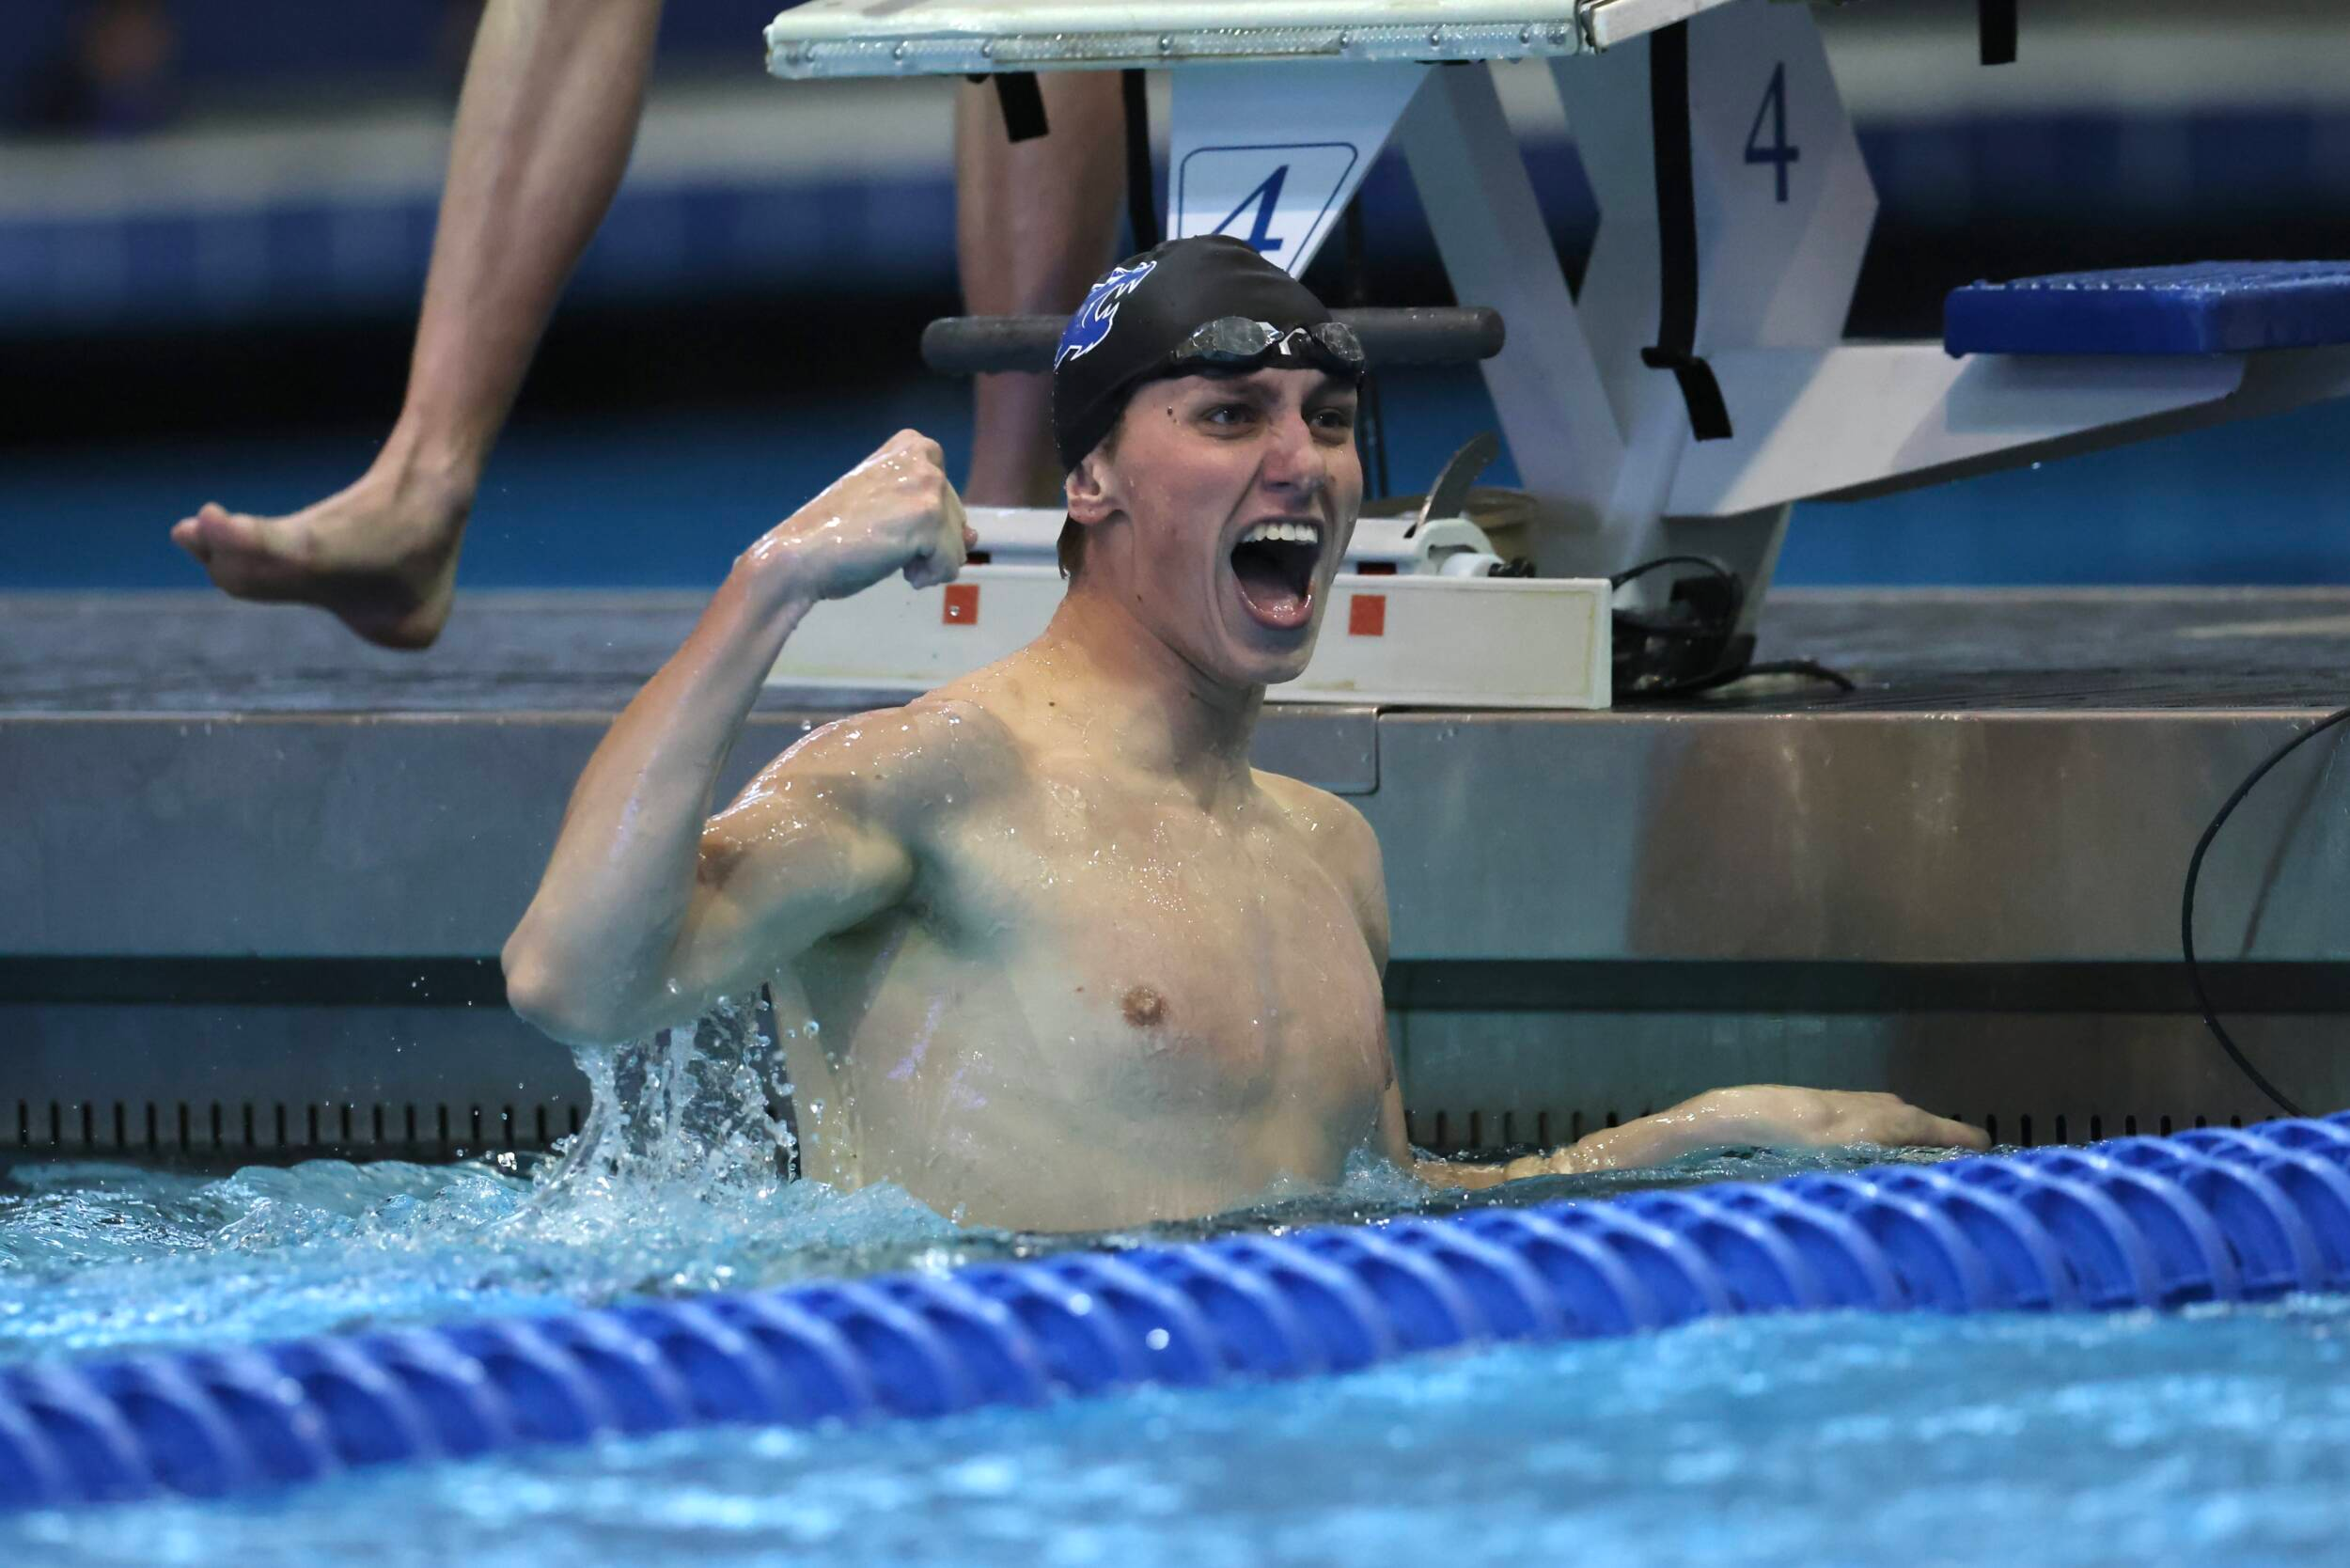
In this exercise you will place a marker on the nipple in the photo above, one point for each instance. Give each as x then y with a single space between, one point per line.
1143 1007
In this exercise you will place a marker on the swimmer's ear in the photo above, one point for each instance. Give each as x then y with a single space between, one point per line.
1087 491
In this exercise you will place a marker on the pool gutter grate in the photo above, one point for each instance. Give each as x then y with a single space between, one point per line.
266 1131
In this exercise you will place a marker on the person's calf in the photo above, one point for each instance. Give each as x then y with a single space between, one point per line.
1034 223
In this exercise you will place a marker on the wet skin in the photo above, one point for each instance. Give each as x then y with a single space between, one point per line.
1099 999
1127 975
1049 952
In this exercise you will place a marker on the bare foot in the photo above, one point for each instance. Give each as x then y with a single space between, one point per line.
380 555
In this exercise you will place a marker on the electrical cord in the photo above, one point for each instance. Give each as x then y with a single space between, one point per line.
1716 569
2187 910
1707 658
1694 644
1690 642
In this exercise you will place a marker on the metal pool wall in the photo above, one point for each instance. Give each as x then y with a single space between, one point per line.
257 877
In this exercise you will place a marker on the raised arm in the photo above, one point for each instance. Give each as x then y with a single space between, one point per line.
647 913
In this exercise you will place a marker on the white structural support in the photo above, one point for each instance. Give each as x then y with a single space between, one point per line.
1546 386
1785 205
1867 417
1280 107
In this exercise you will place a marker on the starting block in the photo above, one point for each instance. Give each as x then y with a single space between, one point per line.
969 38
2214 308
1700 386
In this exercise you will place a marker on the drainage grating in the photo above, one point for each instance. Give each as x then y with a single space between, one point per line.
262 1130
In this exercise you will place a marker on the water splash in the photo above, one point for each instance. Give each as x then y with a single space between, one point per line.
677 1182
698 1114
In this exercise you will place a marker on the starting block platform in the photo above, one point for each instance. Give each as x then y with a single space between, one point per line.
2210 308
1697 385
907 38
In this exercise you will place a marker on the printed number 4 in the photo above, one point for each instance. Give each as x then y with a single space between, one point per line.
1779 153
1264 198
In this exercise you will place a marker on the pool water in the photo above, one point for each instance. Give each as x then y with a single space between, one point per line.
2216 1437
674 1185
98 1258
2219 1435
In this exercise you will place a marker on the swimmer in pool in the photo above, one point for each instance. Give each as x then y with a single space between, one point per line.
1068 960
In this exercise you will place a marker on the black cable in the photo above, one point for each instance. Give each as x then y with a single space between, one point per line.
2187 910
1686 644
1633 573
1712 652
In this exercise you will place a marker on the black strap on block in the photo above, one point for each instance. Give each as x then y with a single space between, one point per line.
1023 102
1142 208
1677 236
1995 20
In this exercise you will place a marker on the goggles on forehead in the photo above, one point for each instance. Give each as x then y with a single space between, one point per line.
1237 341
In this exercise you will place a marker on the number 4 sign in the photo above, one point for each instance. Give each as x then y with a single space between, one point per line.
1278 199
1238 163
1780 151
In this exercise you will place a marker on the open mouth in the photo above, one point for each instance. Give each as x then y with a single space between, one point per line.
1275 565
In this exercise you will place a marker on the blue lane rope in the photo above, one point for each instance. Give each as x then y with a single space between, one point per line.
2215 1215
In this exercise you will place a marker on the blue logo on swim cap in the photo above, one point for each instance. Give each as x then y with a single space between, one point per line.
1093 323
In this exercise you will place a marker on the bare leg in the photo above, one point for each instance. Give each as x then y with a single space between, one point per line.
1033 226
543 131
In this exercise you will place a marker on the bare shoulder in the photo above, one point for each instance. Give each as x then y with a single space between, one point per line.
1340 838
1327 821
886 765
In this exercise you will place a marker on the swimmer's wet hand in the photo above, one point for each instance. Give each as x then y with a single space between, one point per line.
895 512
1783 1118
1768 1116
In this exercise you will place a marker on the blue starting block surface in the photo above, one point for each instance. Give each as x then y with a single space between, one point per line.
2209 307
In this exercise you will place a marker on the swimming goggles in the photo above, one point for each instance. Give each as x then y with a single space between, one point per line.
1238 340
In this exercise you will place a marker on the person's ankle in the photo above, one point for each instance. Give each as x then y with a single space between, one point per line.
435 485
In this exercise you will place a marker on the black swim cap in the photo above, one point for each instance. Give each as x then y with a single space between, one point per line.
1141 310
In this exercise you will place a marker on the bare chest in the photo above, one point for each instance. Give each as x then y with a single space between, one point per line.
1171 961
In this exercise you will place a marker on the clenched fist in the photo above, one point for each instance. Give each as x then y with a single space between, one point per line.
895 512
